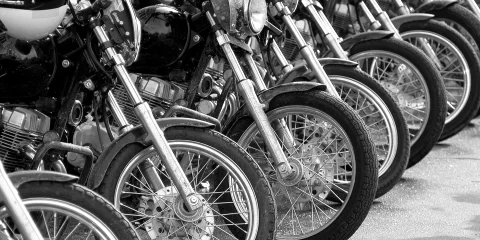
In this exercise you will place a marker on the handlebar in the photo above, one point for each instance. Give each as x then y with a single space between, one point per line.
100 5
83 12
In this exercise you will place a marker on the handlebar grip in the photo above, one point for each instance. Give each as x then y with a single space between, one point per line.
100 5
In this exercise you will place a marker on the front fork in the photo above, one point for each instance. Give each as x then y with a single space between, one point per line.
329 36
256 109
306 50
387 24
155 134
9 196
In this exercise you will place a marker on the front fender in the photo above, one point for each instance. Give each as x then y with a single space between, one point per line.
300 73
434 5
399 20
348 43
297 73
267 95
136 135
337 61
21 177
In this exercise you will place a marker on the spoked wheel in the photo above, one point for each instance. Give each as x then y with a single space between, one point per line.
414 82
224 175
69 211
334 154
462 20
383 118
458 64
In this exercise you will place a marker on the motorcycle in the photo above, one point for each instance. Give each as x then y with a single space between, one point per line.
360 91
38 205
58 68
401 68
319 135
450 51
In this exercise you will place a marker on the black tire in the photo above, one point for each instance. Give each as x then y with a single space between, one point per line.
463 18
390 177
84 199
433 81
363 192
223 144
472 104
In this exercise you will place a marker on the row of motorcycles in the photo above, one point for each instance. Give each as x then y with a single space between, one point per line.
222 119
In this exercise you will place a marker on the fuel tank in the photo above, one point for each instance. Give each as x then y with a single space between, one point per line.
31 19
165 36
25 67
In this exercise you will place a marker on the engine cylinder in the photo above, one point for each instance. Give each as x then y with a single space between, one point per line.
20 125
158 93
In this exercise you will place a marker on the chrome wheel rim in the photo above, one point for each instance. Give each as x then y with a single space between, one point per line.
58 219
132 185
376 116
453 67
329 174
404 81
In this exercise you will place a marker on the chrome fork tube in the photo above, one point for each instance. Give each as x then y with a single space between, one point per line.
473 5
402 9
374 24
155 134
329 35
257 77
382 17
118 113
279 126
306 50
247 90
286 66
18 211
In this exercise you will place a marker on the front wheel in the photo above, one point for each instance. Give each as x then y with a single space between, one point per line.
69 211
237 200
459 67
414 82
383 118
335 155
462 20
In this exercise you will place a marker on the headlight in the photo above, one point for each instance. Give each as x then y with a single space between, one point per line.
256 16
122 14
241 17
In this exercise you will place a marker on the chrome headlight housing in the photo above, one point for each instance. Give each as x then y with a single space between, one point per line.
241 17
123 16
256 16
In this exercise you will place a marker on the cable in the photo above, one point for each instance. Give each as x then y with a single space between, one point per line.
105 119
94 58
98 124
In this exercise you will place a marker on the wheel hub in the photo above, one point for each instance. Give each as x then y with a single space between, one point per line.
296 175
170 218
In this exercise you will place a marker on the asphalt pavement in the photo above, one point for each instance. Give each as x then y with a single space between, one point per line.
439 198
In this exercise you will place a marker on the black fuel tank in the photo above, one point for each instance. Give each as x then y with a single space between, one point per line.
25 68
165 36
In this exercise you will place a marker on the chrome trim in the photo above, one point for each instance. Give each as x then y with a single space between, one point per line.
9 196
247 90
145 115
137 27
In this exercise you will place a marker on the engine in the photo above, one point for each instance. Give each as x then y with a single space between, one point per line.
289 45
161 94
20 126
